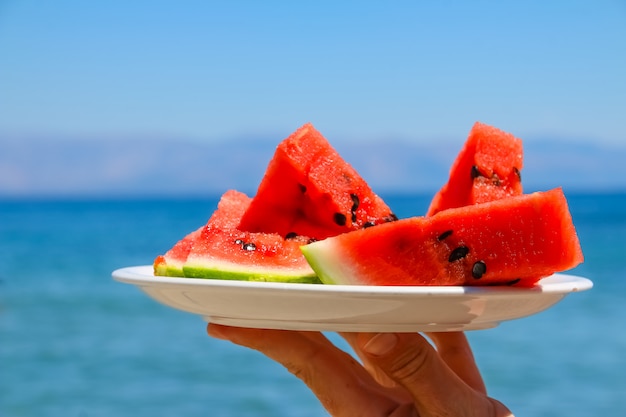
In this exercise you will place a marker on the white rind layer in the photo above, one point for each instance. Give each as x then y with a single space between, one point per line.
330 264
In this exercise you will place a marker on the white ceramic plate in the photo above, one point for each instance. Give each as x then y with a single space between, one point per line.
350 308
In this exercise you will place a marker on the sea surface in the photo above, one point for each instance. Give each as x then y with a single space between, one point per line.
73 342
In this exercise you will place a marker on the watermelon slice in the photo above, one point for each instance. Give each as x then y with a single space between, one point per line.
309 190
229 209
487 168
220 250
515 240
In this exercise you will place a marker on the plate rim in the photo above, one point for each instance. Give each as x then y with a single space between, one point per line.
558 283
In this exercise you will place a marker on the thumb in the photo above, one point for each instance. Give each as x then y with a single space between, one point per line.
412 362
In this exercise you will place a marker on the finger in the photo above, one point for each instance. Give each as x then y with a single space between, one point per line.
382 378
413 362
456 352
334 376
454 349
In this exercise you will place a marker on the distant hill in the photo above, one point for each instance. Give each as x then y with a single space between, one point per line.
57 167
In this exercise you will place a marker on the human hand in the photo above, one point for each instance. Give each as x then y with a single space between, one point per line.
400 374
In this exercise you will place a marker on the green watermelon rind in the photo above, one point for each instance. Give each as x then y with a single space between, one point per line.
237 273
168 271
320 256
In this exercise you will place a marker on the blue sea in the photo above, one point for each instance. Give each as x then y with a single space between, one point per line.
73 342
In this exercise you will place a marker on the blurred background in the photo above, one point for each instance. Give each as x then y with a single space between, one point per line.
121 123
160 97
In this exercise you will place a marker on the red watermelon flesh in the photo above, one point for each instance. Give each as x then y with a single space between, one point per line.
515 240
309 190
487 168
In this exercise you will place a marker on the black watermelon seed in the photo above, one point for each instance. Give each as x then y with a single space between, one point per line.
340 219
355 206
291 235
444 235
355 202
391 218
368 224
239 241
249 246
518 173
479 269
302 188
458 253
475 173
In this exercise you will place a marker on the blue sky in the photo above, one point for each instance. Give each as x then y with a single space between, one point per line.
417 70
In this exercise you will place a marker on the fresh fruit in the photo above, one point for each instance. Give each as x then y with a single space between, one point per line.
309 190
229 210
514 240
479 230
487 168
220 250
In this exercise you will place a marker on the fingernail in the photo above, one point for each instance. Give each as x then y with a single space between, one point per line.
380 344
215 331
